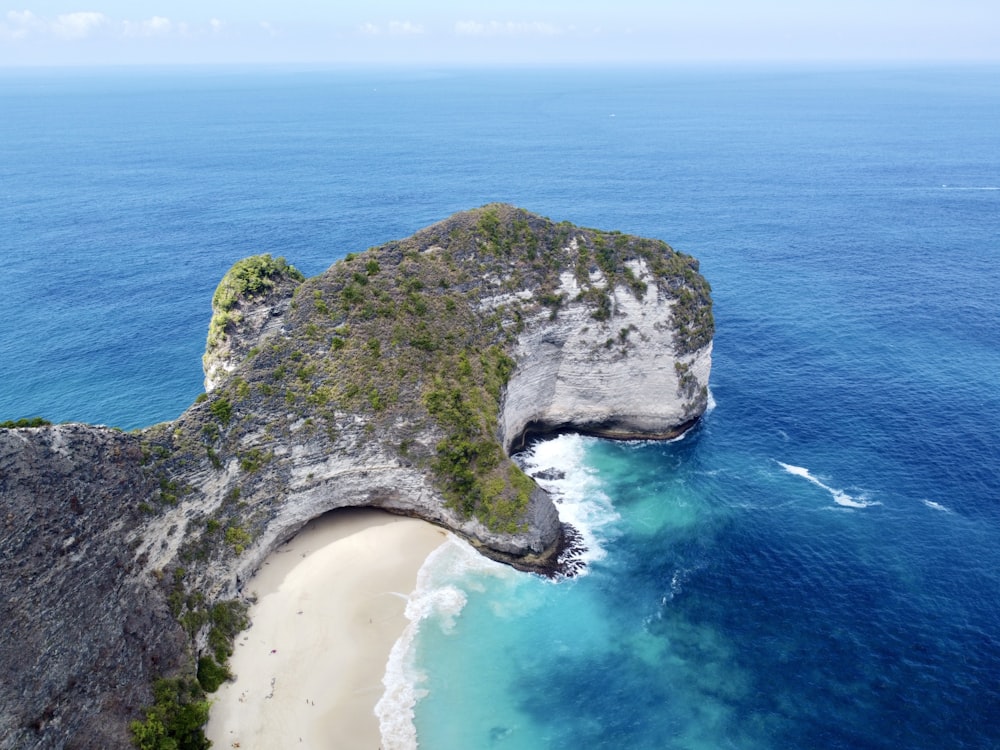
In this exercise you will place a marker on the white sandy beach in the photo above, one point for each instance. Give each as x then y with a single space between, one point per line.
330 605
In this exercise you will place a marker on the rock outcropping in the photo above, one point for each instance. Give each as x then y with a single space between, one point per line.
401 378
570 372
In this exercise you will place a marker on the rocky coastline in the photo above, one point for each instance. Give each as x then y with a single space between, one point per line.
400 379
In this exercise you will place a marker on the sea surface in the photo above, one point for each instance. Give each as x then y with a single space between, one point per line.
815 565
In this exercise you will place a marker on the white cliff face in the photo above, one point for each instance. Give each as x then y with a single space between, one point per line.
306 478
619 378
375 479
254 323
367 475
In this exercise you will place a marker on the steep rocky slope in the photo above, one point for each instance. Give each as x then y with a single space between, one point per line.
85 627
400 378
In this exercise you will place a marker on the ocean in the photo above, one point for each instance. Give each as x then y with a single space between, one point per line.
815 565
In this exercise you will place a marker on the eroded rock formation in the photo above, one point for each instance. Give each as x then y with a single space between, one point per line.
400 379
621 380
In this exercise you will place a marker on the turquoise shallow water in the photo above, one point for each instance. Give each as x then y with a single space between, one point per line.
814 566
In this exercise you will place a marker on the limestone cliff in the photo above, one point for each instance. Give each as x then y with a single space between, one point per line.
247 305
570 371
400 378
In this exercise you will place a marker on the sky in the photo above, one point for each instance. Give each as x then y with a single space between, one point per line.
503 32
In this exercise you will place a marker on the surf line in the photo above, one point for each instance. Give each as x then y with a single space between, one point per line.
839 496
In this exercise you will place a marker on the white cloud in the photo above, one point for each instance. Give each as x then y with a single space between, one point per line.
74 26
158 24
22 23
19 24
395 28
155 26
23 27
78 25
506 28
469 28
20 16
270 28
405 28
24 18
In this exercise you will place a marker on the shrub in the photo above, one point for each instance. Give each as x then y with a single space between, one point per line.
248 279
254 459
222 410
228 618
238 538
211 675
27 422
213 457
175 720
251 277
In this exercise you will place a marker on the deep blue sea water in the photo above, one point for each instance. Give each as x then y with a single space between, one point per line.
816 565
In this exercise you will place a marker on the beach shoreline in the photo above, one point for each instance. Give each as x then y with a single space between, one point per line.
330 604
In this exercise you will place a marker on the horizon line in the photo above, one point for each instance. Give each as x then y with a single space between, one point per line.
728 63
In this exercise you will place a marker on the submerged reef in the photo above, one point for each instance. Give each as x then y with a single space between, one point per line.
401 378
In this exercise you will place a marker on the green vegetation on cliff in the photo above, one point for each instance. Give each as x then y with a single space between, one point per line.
17 424
179 712
175 720
247 280
417 334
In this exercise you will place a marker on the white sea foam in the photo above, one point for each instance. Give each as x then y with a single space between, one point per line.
677 582
839 496
439 597
575 488
710 407
936 506
456 568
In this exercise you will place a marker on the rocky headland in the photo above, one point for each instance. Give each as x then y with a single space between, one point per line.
401 378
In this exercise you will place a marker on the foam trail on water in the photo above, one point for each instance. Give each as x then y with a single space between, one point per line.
955 187
839 496
439 598
558 465
936 506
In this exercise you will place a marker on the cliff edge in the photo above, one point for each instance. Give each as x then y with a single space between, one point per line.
401 378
